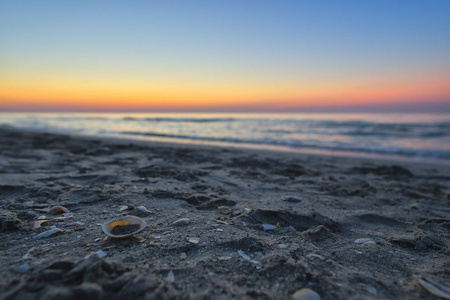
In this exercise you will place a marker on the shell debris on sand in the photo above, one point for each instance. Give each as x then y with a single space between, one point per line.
48 233
225 210
365 241
435 288
248 258
193 240
58 210
124 227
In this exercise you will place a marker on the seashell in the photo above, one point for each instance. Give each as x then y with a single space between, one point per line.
124 227
180 222
435 288
306 294
58 210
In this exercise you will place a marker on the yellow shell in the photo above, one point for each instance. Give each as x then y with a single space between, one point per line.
110 227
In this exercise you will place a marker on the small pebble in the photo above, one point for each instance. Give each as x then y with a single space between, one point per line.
269 227
305 294
219 229
282 246
22 269
180 222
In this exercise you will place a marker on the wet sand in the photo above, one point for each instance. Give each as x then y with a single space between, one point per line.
351 229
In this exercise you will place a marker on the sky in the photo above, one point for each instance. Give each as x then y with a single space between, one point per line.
225 56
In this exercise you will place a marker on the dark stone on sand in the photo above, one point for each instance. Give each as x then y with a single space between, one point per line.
125 229
9 221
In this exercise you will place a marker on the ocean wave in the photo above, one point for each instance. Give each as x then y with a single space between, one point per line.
179 120
408 152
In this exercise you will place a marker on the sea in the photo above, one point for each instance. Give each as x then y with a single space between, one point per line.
410 137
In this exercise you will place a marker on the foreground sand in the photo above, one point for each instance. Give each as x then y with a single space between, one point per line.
401 210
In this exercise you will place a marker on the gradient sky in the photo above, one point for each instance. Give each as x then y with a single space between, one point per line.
224 55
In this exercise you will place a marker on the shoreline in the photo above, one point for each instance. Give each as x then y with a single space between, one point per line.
354 228
155 141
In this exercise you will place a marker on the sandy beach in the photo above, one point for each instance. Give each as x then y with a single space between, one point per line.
260 224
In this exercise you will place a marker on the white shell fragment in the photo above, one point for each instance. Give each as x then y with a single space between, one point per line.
225 258
435 288
312 256
291 199
101 253
48 233
268 227
193 240
246 257
181 222
170 277
365 241
143 209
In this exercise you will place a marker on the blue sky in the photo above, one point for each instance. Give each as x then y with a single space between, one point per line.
287 49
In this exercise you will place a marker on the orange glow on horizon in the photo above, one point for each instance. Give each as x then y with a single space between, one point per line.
123 95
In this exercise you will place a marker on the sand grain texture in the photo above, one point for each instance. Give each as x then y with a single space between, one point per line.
398 214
